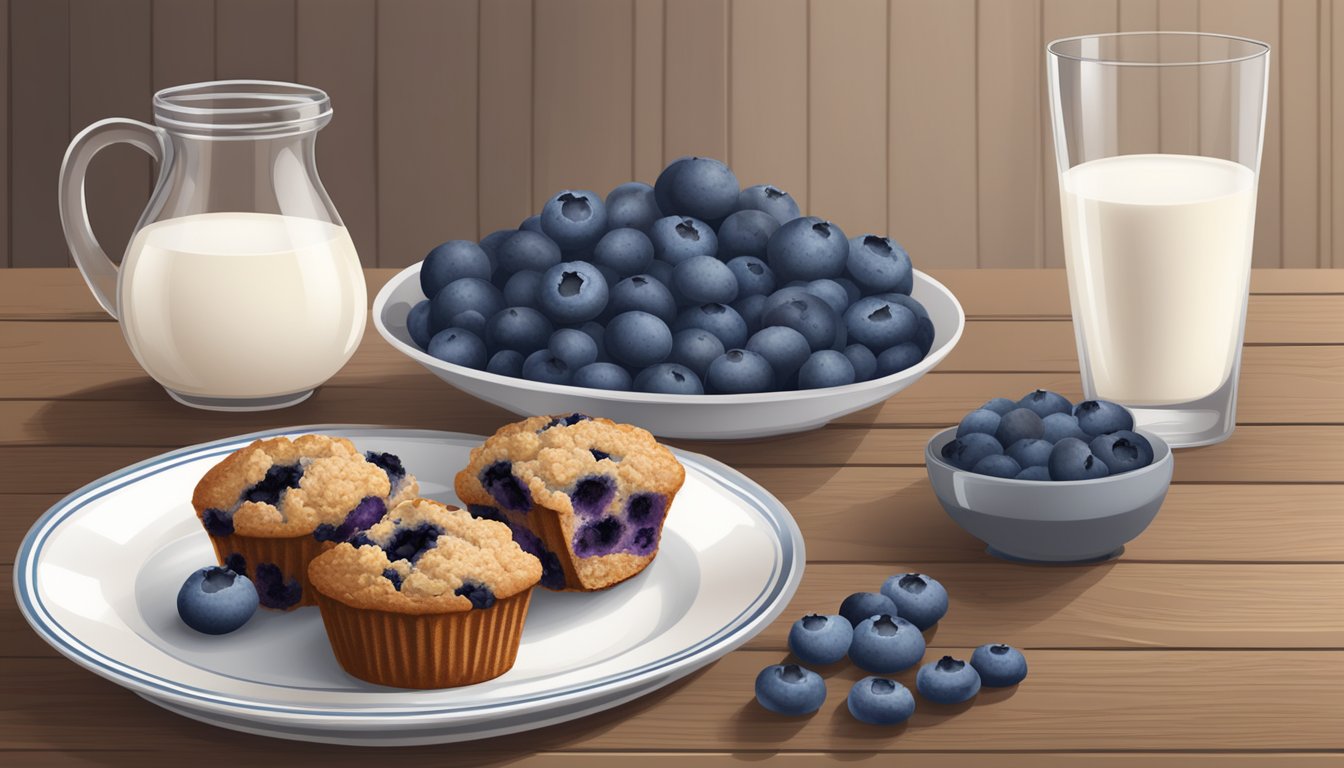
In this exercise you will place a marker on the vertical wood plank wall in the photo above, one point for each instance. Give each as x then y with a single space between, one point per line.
924 119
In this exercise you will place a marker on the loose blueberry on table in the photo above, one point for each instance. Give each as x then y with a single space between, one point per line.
919 599
879 701
820 639
694 252
947 681
789 689
999 665
862 605
886 644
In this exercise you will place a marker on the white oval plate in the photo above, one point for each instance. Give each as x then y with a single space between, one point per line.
705 417
97 578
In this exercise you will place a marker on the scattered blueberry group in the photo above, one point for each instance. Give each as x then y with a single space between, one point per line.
1045 437
689 286
882 632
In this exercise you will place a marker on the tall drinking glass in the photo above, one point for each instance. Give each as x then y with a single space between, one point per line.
1157 141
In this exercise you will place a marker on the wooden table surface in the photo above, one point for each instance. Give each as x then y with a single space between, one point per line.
1217 639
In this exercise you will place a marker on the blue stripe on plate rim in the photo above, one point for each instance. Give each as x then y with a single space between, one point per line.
786 573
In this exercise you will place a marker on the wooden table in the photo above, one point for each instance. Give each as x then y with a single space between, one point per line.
1215 640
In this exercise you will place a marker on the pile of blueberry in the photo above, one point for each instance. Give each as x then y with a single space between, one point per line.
688 286
881 632
1045 437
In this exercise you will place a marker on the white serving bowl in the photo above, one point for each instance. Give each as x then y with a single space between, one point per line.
709 417
1045 521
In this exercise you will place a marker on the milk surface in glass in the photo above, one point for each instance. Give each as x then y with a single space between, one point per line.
1158 249
252 304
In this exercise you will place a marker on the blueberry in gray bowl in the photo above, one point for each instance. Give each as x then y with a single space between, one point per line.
638 339
451 261
745 233
459 347
574 219
1058 426
678 238
967 451
997 465
608 376
739 371
1122 451
1019 424
1044 402
669 379
1072 459
1031 453
879 264
696 349
980 420
572 292
1098 417
643 293
771 199
807 248
632 205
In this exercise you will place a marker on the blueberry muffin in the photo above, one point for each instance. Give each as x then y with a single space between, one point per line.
429 597
586 496
274 505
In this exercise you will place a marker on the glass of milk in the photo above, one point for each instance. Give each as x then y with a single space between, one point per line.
1157 139
240 288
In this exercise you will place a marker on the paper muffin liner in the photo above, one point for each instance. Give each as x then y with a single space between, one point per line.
290 554
433 650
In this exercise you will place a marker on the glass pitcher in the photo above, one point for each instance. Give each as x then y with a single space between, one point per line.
240 288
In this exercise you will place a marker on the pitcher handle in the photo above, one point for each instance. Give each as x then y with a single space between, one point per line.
99 271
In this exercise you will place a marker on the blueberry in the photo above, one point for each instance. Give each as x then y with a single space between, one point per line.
459 347
783 348
863 360
898 358
886 644
704 280
772 200
832 293
625 251
603 376
862 605
216 600
719 319
999 665
808 315
1000 405
278 479
745 233
1019 424
572 292
788 689
1058 426
638 339
669 379
417 324
1072 459
1097 417
491 242
947 681
826 368
274 590
980 420
506 362
807 248
820 639
632 205
661 271
879 264
528 250
545 367
461 295
531 224
739 371
1044 402
678 238
924 332
481 596
1031 453
967 451
471 320
851 288
522 329
599 537
596 332
1122 451
644 293
368 511
919 599
997 465
497 479
879 701
592 495
451 261
574 219
880 324
697 186
1037 474
753 276
409 543
574 347
696 349
522 288
752 310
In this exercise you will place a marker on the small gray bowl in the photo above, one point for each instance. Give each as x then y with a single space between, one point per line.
1051 522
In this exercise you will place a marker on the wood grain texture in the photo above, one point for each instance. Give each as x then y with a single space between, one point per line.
39 47
647 100
769 95
932 145
504 119
426 126
183 42
1008 114
1139 96
1262 700
336 53
255 39
695 79
1298 66
583 97
4 133
847 115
